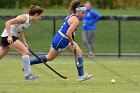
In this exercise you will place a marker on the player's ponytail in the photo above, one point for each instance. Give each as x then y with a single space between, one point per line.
74 4
35 9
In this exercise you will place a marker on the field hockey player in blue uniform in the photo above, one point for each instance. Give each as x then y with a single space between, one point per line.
64 39
14 28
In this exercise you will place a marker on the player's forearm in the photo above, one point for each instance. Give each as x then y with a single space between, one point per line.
69 33
8 26
24 41
23 37
69 36
97 17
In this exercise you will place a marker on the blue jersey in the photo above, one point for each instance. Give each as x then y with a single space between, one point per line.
90 18
65 26
60 40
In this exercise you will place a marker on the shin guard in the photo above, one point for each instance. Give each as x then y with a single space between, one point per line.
37 61
80 68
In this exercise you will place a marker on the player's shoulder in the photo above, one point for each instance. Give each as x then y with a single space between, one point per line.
92 10
75 18
22 17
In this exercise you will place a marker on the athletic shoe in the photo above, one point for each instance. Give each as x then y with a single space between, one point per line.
31 77
84 77
90 54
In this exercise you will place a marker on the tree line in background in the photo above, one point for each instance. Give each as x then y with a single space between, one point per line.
103 4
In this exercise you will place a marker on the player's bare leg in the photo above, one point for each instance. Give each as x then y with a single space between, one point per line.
79 63
3 51
20 47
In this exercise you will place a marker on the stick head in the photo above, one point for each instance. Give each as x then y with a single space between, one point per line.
65 77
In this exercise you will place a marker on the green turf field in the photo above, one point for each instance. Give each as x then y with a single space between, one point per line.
126 72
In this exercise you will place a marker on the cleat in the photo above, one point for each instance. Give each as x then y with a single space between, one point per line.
84 77
32 77
90 54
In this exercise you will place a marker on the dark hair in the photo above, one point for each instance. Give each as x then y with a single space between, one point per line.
35 9
74 4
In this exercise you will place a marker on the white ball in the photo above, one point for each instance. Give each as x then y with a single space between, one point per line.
113 81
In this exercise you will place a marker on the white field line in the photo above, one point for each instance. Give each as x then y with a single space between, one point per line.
69 78
11 81
85 62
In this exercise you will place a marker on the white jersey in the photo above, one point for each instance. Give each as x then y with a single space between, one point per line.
17 28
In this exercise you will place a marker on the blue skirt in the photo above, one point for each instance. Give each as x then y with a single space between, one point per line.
59 42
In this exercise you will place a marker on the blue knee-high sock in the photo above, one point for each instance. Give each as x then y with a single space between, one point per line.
80 67
37 61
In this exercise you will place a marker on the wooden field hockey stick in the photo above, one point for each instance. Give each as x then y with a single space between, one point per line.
64 77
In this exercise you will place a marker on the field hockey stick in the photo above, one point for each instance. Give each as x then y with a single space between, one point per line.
75 56
64 77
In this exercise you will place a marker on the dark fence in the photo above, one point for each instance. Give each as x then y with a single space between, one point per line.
118 19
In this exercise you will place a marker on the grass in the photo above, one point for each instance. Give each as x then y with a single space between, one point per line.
65 11
124 70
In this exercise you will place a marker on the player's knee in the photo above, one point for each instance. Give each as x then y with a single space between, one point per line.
26 52
49 58
80 54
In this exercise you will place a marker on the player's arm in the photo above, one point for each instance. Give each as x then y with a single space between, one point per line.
17 20
23 38
96 15
73 22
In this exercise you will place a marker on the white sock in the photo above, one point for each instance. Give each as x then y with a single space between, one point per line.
26 64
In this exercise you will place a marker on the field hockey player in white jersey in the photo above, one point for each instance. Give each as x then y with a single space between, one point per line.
10 37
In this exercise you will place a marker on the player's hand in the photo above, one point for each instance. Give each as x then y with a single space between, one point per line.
26 45
10 39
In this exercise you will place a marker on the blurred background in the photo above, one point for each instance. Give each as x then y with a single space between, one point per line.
103 4
117 31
